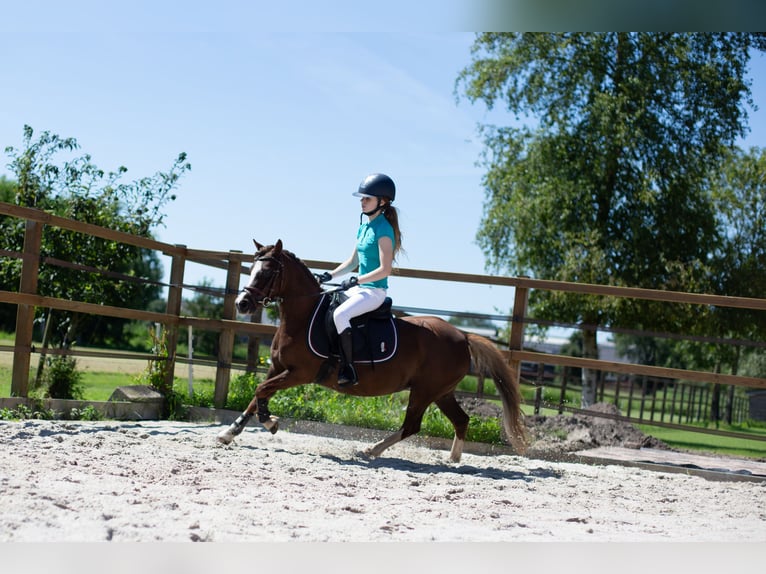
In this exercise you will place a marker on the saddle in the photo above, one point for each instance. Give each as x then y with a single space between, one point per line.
375 334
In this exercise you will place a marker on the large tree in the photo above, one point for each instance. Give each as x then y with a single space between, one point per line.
739 262
604 182
76 188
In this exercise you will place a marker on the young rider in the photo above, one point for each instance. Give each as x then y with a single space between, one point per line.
378 240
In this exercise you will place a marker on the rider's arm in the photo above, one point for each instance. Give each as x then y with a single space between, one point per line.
348 265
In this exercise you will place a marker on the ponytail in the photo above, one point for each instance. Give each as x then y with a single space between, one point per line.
392 215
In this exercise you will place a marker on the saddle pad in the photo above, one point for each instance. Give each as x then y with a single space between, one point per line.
375 340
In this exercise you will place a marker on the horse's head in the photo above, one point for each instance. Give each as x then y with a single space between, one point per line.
265 282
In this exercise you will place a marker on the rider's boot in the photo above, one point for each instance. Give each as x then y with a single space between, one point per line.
347 374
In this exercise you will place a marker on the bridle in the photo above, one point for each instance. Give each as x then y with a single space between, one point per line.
266 297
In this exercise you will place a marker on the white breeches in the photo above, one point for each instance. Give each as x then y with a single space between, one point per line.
360 300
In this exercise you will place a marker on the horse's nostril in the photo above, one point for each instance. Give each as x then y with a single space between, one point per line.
241 305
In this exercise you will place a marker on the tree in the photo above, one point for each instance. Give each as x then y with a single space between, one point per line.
7 311
604 184
739 261
78 189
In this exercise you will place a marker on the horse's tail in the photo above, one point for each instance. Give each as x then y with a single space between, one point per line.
489 360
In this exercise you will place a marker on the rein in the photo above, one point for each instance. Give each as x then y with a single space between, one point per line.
267 300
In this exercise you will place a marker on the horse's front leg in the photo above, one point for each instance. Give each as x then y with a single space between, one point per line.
260 406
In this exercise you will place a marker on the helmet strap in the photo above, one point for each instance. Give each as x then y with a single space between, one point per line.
374 211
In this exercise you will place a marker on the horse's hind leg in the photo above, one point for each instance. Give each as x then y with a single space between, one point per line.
459 419
411 425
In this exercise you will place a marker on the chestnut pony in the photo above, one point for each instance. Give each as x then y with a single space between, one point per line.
431 359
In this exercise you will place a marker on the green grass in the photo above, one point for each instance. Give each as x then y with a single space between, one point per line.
100 386
95 386
693 441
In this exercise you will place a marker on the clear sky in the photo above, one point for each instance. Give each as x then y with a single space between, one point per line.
279 126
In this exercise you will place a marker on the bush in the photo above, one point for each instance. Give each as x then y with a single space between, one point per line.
62 379
23 412
241 391
89 413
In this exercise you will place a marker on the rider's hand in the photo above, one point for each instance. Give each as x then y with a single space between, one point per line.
349 283
324 277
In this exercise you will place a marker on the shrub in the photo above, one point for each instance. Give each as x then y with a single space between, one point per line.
241 391
62 379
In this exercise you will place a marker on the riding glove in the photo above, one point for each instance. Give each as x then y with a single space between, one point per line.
349 283
324 277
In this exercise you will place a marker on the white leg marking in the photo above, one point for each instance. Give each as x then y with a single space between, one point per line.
226 436
457 449
376 449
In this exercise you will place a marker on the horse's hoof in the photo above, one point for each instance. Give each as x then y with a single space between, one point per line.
368 453
272 425
225 437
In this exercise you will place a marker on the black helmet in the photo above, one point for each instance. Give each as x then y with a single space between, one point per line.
377 185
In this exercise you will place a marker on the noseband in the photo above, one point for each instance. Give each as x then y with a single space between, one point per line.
261 297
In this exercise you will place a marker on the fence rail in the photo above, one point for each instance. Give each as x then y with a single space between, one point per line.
235 264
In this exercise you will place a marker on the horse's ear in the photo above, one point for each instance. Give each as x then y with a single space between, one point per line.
258 246
278 247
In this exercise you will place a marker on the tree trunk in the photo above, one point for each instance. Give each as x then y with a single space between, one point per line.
589 376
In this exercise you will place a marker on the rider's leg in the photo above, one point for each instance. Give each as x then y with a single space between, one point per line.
347 374
360 300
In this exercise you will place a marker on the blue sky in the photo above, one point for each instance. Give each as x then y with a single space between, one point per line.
279 126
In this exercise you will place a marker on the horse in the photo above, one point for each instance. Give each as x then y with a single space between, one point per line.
432 357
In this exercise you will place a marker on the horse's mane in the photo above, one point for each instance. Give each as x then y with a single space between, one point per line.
292 256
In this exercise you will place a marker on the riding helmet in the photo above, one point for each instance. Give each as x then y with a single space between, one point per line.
377 185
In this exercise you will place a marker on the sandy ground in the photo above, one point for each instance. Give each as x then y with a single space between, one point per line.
64 481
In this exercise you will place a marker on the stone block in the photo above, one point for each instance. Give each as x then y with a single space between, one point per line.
136 394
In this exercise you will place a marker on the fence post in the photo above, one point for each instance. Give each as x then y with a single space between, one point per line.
664 400
25 314
673 400
653 391
174 308
226 338
516 338
190 356
563 395
631 385
540 387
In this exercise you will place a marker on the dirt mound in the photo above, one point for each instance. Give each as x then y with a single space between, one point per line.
569 433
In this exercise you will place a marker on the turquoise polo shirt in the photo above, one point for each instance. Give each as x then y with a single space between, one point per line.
367 247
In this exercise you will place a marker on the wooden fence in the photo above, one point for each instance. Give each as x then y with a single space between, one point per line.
236 263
